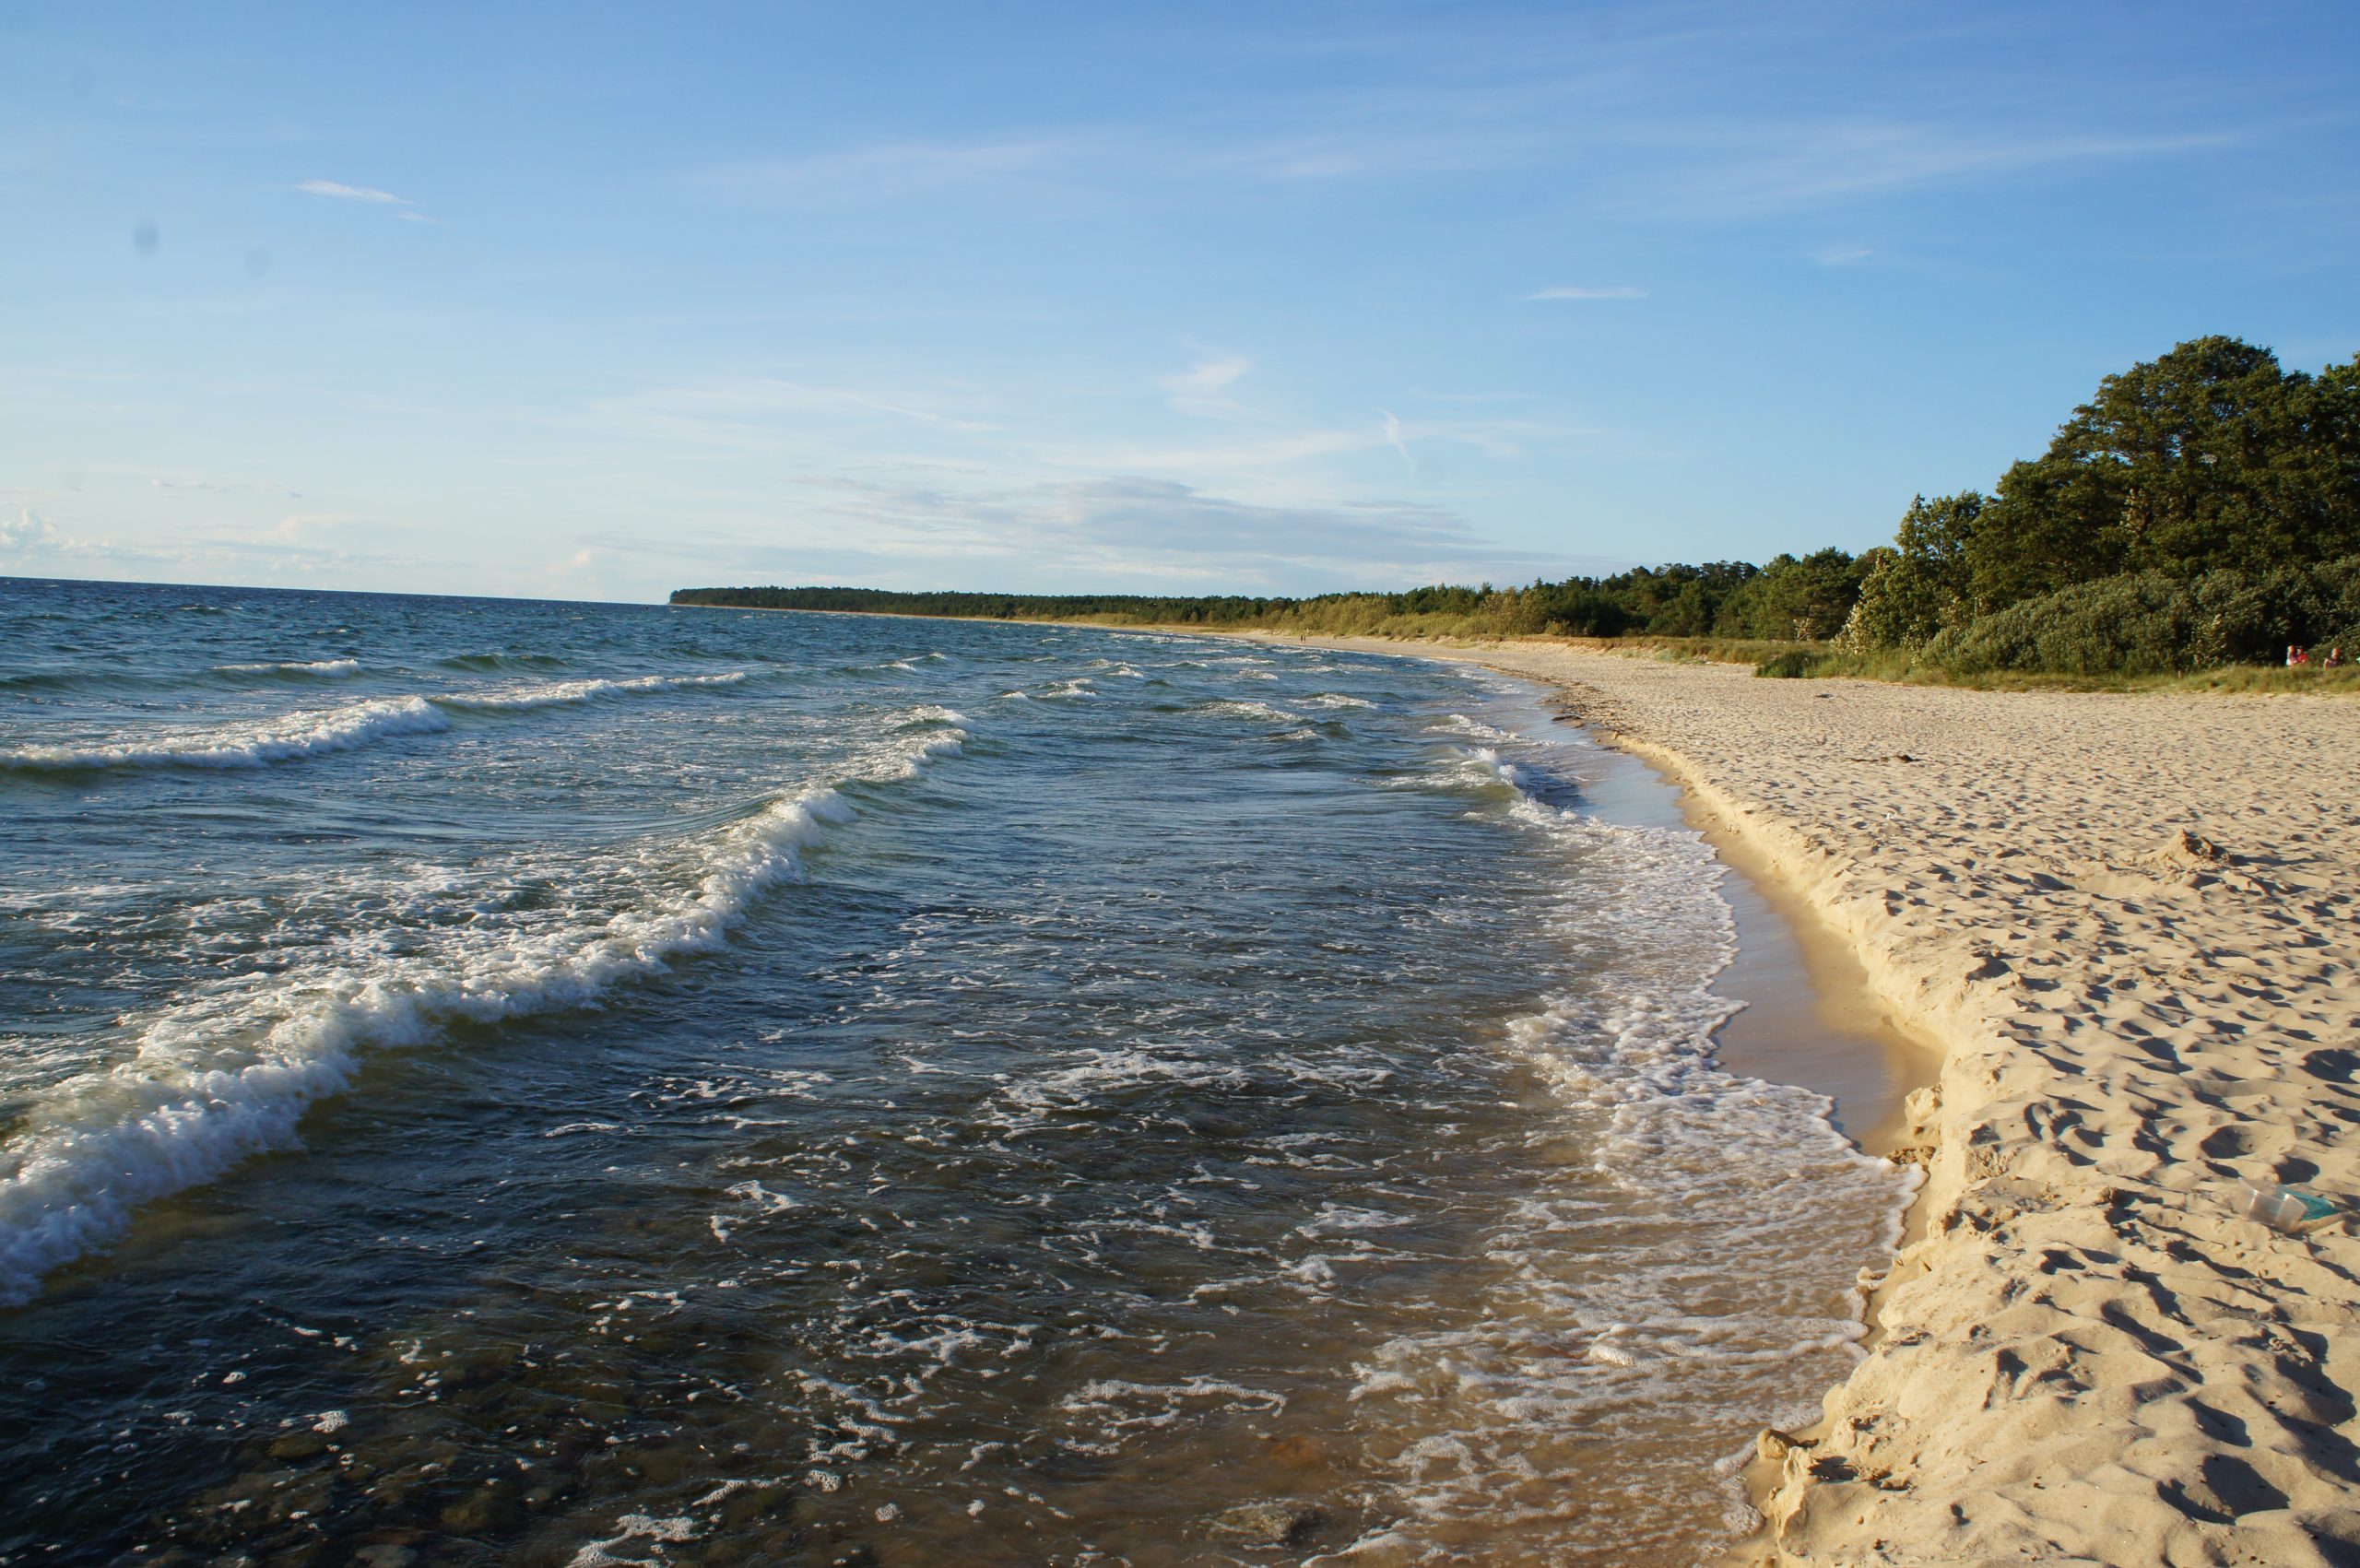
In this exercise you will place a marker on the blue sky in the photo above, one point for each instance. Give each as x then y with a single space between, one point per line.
596 302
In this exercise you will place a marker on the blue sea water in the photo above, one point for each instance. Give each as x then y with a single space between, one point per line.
503 1083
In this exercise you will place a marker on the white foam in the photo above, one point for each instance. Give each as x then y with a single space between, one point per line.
322 669
229 1072
1459 724
656 1531
1613 1289
1247 708
562 692
312 732
317 732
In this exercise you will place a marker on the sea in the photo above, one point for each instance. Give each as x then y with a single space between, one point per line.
501 1082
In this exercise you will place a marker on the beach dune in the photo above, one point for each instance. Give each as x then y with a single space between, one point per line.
2129 920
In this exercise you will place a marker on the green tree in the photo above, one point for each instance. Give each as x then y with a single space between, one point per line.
2211 457
1914 590
1807 598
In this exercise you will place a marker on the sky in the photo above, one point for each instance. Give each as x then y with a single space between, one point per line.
595 301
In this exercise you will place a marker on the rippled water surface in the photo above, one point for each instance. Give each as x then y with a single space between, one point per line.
492 1082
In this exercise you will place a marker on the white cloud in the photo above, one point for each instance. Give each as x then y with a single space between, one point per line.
1261 451
30 534
1747 171
1843 255
1571 291
770 413
1667 116
1197 391
1130 528
337 190
297 526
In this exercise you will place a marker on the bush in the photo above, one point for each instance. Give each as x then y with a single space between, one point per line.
2153 624
1795 664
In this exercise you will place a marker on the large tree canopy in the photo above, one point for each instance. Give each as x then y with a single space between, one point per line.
2209 458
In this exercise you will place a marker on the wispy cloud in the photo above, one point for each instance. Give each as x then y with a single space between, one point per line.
1274 450
1201 390
1572 291
1842 255
1126 529
1270 457
771 413
1747 171
887 172
368 195
1674 114
336 190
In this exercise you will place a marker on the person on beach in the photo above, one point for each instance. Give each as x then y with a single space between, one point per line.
2296 654
2334 657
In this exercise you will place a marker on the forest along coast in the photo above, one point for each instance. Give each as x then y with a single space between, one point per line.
2130 920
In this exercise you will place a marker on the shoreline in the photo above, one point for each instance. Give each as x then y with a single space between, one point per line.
2126 921
1810 981
1808 994
1810 1016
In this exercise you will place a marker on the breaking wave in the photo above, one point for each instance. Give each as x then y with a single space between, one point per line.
319 731
228 1075
317 669
522 699
313 733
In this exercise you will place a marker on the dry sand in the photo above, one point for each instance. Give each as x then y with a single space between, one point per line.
2129 920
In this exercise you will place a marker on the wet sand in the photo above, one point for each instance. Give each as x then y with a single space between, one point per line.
2129 920
1810 1016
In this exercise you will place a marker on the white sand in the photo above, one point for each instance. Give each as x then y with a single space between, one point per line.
2090 1357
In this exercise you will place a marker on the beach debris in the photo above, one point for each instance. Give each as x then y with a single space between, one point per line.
2283 1208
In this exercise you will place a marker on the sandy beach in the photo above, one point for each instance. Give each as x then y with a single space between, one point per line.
2127 920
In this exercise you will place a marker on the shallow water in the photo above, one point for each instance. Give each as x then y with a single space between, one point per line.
579 1084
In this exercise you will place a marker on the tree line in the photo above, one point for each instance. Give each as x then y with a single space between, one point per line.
1809 598
2202 508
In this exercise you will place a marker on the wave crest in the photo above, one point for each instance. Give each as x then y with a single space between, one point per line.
230 1075
310 734
558 694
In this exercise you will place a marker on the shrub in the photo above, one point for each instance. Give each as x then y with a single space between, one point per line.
1795 664
2154 623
